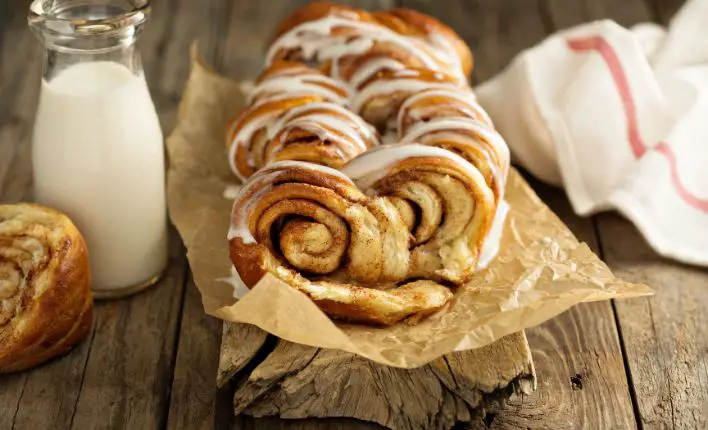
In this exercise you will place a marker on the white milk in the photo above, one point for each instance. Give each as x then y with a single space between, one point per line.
98 156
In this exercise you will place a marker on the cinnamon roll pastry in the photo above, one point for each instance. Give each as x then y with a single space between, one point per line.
45 298
310 226
390 234
296 113
252 131
472 140
326 33
321 133
286 79
446 43
317 10
453 120
354 70
440 103
379 99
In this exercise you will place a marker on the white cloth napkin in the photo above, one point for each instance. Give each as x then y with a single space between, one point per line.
619 117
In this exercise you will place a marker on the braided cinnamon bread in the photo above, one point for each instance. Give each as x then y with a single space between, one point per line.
398 227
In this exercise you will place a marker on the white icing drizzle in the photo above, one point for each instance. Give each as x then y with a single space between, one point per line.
465 96
240 288
369 69
305 83
356 128
373 165
231 191
492 243
391 86
445 49
244 136
316 41
454 126
324 126
279 97
259 184
458 137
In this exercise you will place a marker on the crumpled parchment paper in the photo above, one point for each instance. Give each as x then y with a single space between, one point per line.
541 270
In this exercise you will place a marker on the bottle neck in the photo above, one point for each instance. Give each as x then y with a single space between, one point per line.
78 31
56 61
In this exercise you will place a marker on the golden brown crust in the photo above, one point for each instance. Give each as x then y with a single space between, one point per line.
380 97
414 23
281 66
403 21
248 261
55 309
248 156
317 10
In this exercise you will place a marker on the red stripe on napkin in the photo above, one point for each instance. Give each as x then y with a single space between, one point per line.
639 148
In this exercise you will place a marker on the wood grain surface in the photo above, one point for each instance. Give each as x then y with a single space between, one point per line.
151 360
296 381
666 335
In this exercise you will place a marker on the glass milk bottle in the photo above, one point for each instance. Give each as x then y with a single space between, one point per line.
97 144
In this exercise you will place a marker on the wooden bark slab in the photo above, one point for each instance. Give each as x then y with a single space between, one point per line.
278 378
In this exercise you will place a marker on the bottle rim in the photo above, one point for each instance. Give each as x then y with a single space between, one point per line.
60 26
52 21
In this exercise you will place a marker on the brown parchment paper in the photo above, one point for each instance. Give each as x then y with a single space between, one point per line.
541 269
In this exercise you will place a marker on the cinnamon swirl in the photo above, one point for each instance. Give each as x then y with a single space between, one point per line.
45 298
355 238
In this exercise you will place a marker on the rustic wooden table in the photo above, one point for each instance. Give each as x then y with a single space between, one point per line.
151 360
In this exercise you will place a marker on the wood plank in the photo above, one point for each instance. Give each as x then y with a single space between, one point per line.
577 355
130 366
10 396
664 10
296 382
7 12
239 344
19 83
193 394
196 402
665 335
19 89
496 30
166 46
45 404
625 13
